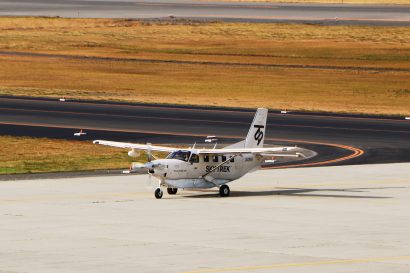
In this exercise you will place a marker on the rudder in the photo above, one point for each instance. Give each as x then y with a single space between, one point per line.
256 134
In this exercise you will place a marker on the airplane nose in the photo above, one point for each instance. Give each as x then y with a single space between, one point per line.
158 169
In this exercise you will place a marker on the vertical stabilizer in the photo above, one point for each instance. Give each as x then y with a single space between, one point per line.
256 134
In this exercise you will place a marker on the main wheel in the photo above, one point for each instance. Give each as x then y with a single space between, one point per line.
172 190
158 193
224 191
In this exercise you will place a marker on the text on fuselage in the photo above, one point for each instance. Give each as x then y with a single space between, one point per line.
222 169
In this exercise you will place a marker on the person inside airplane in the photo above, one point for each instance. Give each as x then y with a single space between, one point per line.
181 155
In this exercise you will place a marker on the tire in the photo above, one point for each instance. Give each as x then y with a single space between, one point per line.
172 190
158 193
224 191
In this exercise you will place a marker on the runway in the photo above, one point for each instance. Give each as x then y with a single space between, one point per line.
313 220
336 139
338 14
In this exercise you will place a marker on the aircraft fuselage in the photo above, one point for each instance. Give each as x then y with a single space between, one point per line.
204 172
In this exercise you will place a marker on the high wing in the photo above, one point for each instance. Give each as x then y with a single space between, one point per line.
265 151
273 151
136 146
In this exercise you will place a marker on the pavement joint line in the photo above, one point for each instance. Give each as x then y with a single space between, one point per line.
288 265
186 193
76 197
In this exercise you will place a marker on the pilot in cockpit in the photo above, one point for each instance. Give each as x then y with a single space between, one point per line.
181 155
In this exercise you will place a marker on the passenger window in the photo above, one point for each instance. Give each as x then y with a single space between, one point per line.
223 158
232 159
215 158
206 158
194 158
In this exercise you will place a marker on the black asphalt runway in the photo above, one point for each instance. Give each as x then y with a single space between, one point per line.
332 137
230 11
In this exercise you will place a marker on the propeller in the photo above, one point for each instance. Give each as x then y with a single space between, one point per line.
149 152
149 167
161 168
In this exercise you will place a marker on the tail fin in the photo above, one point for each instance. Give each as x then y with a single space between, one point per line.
256 134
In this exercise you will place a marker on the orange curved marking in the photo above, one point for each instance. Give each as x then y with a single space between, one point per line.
356 151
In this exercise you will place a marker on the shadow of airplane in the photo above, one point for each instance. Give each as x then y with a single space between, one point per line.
300 192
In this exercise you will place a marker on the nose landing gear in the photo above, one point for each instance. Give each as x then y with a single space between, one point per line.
158 193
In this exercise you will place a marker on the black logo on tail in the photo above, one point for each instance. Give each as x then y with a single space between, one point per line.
259 133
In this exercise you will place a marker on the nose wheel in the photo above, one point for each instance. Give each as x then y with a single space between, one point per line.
224 191
158 193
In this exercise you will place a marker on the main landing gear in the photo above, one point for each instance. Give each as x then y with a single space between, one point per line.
159 193
172 190
224 191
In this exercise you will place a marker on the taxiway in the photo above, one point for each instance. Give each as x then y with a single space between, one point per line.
369 140
327 219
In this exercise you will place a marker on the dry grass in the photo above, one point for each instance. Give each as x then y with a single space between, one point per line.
34 155
308 89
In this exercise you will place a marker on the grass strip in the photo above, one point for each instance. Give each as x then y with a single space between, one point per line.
348 69
37 155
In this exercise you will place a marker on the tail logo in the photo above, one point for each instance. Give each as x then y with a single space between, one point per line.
259 133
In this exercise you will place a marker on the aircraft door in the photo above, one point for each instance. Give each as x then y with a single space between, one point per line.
193 166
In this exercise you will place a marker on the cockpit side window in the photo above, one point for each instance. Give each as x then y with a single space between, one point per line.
180 155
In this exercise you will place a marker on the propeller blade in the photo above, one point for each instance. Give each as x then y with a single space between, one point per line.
149 152
149 184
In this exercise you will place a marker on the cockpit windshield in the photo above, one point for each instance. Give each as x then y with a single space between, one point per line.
181 155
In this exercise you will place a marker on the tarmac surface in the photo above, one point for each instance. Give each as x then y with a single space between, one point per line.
355 140
327 219
331 14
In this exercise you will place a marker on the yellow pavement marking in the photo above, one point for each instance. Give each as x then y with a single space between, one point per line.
273 266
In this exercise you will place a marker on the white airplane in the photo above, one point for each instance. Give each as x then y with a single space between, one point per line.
81 133
198 168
